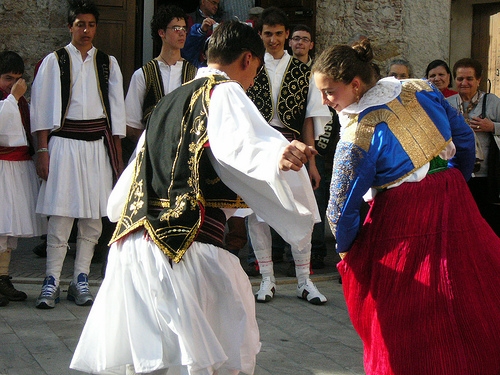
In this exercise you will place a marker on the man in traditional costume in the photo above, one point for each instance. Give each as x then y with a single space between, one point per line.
78 115
19 183
173 299
161 75
283 95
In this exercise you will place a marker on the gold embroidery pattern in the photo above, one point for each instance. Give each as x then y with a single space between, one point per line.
260 95
411 125
292 98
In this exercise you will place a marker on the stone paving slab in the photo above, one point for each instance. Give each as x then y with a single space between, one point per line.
297 338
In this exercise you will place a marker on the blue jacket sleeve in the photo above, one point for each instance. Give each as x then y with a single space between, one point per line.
193 47
353 174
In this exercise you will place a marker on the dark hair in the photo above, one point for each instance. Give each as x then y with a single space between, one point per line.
77 7
343 62
162 17
301 27
436 63
273 16
230 39
400 62
11 62
468 63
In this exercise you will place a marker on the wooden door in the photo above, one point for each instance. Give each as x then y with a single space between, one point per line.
116 34
486 44
494 55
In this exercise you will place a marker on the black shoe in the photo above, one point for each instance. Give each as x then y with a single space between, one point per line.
41 249
290 271
100 253
7 290
317 262
252 269
4 301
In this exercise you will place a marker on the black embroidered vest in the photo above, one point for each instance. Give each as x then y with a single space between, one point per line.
101 63
173 179
154 84
292 98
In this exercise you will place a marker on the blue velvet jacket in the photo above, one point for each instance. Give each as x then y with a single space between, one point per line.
383 144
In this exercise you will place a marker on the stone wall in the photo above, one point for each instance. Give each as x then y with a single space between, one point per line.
33 28
417 31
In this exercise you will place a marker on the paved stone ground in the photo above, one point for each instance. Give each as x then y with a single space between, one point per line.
297 338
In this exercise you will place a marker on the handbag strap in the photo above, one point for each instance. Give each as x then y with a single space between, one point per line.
483 109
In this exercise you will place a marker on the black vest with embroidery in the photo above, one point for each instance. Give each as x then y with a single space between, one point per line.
154 84
292 98
101 63
173 180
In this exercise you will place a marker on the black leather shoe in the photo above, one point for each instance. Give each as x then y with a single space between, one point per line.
41 249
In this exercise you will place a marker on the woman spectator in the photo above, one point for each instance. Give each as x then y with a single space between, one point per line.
421 276
482 112
439 73
399 69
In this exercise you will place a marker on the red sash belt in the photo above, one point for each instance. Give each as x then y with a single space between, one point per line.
20 153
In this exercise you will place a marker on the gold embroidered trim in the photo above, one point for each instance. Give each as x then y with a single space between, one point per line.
409 122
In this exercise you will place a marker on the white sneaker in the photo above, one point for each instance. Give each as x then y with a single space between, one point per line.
309 292
266 290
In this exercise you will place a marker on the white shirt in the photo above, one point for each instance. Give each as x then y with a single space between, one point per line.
85 102
245 155
171 76
12 132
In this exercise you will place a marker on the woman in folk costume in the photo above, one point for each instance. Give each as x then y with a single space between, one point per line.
420 276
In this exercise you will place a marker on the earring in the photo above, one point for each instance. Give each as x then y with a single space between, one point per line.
357 95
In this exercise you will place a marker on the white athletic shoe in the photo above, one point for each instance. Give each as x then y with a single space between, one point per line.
309 292
266 290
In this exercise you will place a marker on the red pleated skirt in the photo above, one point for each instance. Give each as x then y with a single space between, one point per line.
422 282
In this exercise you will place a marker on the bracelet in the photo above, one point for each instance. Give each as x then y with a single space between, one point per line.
44 149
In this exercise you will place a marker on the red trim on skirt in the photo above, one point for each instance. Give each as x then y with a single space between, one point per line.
422 282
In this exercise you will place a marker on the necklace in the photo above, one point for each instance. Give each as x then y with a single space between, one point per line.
470 106
165 61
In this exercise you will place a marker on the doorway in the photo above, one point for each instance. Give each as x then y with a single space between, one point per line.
486 44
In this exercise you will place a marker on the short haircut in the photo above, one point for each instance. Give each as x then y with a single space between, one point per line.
77 7
301 27
230 39
468 63
434 64
273 16
162 17
11 62
400 62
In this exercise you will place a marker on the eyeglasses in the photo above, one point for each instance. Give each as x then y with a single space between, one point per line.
399 75
304 39
178 29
